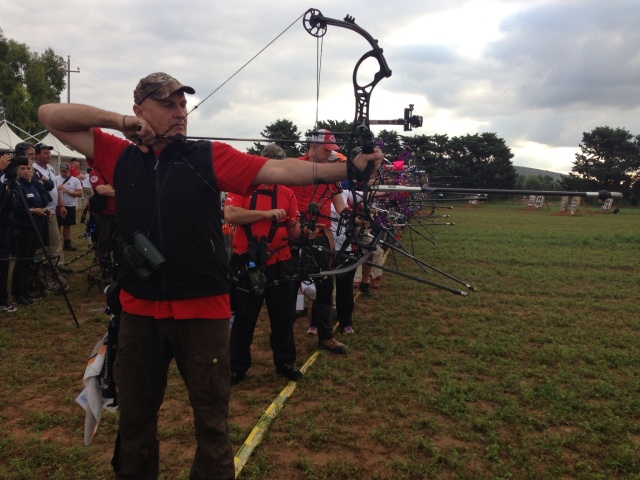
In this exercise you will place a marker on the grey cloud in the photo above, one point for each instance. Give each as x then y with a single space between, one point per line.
580 53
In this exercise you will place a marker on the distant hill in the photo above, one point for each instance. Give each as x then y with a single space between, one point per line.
526 172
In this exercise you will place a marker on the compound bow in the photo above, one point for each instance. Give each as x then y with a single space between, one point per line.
361 136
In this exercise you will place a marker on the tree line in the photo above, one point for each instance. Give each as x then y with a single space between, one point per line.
608 158
27 80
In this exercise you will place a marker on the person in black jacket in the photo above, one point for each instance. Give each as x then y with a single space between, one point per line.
174 286
5 235
28 201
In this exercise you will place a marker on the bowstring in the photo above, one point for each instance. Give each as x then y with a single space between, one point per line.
227 81
247 63
319 50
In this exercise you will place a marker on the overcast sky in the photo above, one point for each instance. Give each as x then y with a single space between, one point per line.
537 73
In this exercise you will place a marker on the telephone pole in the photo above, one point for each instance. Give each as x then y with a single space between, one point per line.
69 72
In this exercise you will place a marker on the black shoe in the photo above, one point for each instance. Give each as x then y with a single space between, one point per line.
64 270
365 291
22 301
237 377
31 296
69 247
290 371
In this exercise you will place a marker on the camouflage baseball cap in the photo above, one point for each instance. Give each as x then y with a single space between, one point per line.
273 151
158 86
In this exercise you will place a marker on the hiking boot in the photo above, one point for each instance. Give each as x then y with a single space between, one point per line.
332 345
290 371
365 291
6 308
312 331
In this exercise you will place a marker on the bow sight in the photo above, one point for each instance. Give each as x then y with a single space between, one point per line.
409 121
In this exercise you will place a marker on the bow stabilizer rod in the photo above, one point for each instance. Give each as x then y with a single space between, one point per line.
602 194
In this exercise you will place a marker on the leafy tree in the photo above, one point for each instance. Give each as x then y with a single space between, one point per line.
478 161
392 143
428 152
27 80
536 182
280 130
609 159
341 129
481 161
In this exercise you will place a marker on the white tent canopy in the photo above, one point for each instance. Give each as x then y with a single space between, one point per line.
8 138
61 151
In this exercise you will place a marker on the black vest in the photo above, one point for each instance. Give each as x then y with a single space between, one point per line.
174 200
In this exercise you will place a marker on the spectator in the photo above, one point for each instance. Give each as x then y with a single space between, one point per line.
69 189
25 149
87 190
74 169
45 174
28 202
5 235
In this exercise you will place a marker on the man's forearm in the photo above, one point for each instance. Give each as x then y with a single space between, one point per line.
74 193
73 117
291 171
242 216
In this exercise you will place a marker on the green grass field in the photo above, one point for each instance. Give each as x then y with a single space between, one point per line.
533 375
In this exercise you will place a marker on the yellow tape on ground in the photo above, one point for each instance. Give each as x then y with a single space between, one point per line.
255 437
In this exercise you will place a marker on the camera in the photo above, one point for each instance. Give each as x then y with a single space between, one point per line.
11 172
143 256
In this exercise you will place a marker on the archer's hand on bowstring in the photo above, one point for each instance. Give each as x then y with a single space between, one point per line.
140 131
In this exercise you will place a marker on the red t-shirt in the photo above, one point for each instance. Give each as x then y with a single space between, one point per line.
96 179
234 171
286 200
321 194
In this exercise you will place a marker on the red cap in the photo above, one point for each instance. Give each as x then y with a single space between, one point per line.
325 137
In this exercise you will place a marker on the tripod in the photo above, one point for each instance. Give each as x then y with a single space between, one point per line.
16 191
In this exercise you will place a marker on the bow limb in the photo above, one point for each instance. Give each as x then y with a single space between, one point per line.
352 265
316 25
